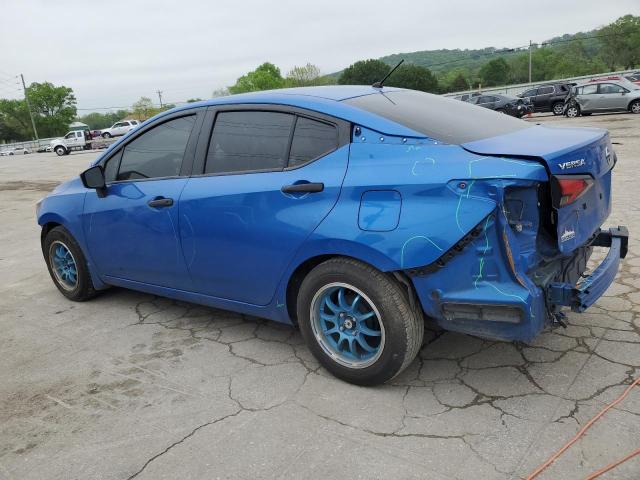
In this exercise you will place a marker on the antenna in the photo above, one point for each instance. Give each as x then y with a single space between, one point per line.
380 84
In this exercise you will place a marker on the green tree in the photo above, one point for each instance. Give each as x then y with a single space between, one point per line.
266 77
54 108
97 121
364 72
413 77
495 72
620 42
193 100
15 123
144 109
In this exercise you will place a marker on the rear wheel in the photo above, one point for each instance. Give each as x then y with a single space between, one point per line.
358 322
573 111
635 107
557 108
67 265
60 151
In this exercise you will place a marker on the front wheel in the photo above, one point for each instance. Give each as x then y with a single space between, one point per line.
635 107
60 151
358 322
557 108
106 135
67 265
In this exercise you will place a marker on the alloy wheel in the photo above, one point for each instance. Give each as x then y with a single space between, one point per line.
347 325
63 265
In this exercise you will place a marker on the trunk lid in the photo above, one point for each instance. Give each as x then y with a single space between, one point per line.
568 153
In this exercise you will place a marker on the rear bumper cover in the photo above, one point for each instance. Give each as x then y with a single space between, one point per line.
587 291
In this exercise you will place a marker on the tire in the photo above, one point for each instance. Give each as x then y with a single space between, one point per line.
60 151
106 135
63 257
573 111
634 107
557 108
382 320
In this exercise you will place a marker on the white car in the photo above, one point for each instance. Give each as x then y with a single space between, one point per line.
119 128
16 151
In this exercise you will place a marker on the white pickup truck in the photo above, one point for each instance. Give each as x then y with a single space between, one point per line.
74 140
119 128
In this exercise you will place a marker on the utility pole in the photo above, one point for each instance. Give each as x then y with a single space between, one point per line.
530 45
26 97
160 97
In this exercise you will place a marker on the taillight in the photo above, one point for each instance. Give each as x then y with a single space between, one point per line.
568 188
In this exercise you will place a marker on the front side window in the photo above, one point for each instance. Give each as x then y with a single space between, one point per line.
249 141
311 139
70 135
530 93
545 90
157 152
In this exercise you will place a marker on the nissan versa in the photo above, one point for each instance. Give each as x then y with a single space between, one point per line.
354 212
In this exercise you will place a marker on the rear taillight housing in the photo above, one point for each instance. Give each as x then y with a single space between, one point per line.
566 189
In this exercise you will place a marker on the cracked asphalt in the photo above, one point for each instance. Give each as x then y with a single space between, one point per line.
134 386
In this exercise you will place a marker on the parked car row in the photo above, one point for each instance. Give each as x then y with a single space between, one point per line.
613 93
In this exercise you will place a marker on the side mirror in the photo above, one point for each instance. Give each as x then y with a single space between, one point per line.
94 178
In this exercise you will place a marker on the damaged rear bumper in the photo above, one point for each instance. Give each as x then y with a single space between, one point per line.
587 291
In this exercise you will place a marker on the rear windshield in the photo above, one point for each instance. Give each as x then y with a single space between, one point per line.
440 118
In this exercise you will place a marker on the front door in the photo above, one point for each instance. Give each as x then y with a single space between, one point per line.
269 179
132 232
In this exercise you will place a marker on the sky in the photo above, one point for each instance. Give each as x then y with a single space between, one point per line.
112 52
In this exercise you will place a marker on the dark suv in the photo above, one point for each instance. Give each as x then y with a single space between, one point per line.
548 98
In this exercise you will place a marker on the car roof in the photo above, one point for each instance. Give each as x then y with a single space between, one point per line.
325 99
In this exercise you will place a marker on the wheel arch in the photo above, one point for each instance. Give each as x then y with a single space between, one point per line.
631 102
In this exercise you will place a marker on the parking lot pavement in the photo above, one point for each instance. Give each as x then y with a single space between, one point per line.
134 386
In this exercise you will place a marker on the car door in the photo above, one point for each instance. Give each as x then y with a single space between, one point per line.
132 230
269 176
612 97
543 98
588 97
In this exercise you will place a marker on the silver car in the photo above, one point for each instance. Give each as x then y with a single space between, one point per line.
603 96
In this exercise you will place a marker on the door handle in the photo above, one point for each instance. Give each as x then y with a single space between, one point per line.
160 202
303 188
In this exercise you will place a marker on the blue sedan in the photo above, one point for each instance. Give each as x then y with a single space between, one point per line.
353 212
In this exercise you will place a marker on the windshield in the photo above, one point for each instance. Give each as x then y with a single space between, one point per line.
440 118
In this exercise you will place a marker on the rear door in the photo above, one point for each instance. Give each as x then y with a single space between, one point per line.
241 220
612 97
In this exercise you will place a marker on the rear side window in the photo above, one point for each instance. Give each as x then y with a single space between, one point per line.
311 139
436 117
249 141
611 88
157 152
589 89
